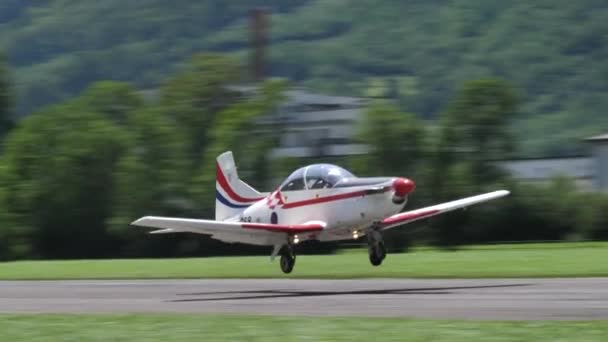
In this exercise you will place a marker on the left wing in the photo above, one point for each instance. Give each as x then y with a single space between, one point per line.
414 215
176 225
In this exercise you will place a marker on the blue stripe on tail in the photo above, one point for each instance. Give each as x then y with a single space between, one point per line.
225 202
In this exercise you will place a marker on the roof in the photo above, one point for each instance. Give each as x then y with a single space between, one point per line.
328 150
323 116
297 96
540 169
601 137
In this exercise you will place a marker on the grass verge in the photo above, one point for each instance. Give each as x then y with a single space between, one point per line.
495 261
167 328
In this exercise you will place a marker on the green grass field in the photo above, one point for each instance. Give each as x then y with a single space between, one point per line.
492 261
167 328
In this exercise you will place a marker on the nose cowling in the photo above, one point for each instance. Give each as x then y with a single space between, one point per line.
402 187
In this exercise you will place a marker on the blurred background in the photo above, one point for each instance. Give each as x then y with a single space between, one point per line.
110 110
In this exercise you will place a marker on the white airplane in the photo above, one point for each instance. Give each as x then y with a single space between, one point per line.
320 201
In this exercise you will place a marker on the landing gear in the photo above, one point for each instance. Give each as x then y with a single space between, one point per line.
288 259
377 254
377 250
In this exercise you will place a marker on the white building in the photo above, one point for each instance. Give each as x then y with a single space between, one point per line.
542 170
315 125
599 154
589 172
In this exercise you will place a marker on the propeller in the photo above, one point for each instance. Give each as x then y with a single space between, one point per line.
402 187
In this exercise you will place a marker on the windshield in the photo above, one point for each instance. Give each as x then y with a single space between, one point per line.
316 176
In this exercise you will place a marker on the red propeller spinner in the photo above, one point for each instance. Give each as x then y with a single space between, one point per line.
402 187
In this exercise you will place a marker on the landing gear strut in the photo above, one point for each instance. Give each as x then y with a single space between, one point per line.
288 259
377 251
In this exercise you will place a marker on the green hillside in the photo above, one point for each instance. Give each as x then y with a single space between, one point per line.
553 51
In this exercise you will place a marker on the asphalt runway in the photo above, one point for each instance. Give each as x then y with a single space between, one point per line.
497 299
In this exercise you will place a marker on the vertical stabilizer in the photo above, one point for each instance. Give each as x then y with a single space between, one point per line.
232 194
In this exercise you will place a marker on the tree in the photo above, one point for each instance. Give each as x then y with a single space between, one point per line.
232 130
10 9
473 132
114 100
57 181
150 178
194 97
475 129
591 219
395 141
6 100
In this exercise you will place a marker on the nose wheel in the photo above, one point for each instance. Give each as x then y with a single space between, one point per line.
377 254
377 250
288 259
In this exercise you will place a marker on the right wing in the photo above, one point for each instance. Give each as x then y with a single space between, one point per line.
414 215
176 225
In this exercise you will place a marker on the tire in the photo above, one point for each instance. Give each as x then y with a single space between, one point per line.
382 250
288 260
377 254
374 259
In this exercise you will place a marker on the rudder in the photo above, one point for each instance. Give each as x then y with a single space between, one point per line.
232 194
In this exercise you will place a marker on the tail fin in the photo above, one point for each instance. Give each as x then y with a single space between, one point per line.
232 194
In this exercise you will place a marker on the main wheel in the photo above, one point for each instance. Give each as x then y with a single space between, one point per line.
377 254
381 250
374 259
288 260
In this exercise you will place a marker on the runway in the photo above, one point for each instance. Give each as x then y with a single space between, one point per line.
497 299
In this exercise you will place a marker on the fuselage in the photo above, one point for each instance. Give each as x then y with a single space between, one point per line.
345 204
345 210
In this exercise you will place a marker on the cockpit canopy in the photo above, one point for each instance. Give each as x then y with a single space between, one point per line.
316 176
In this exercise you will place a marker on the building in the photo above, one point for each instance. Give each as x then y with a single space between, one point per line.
542 170
315 125
590 172
599 154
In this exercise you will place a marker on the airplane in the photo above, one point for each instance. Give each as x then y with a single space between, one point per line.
321 202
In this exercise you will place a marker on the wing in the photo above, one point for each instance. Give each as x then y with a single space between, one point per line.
414 215
176 225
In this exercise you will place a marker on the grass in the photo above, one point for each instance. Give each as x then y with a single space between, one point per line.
490 261
168 328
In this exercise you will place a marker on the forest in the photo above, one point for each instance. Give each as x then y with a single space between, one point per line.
111 110
75 174
552 52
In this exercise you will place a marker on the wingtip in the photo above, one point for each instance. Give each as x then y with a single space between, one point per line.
500 193
139 221
162 231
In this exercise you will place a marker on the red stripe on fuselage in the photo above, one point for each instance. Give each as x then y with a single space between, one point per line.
226 186
328 198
